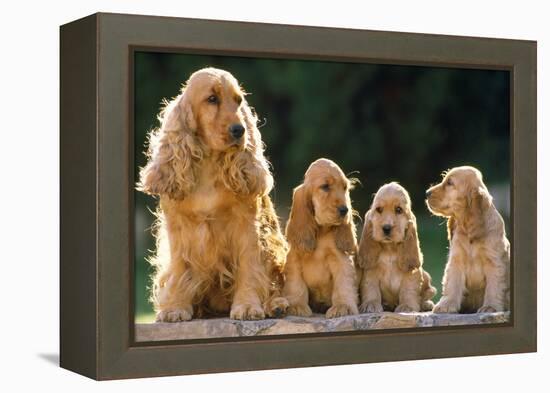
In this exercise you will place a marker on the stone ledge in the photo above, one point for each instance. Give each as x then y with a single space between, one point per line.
225 327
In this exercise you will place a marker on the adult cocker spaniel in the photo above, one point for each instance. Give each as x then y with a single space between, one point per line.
477 272
219 245
389 252
320 271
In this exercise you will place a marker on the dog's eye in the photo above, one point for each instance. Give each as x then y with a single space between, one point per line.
239 99
449 182
212 99
398 210
379 209
325 187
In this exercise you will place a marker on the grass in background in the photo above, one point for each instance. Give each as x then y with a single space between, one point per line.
432 232
144 310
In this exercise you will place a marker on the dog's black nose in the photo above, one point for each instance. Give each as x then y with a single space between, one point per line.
428 193
236 130
343 210
387 229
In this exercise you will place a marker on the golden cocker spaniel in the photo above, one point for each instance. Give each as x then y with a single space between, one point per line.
389 252
320 271
477 272
219 245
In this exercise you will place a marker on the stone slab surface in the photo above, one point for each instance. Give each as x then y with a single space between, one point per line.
225 327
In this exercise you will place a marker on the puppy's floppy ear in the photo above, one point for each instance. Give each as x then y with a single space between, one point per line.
301 229
411 256
478 202
345 237
173 152
369 249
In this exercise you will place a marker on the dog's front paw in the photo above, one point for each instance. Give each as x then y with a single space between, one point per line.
247 312
444 306
371 307
406 308
277 307
341 310
427 305
174 315
490 308
299 310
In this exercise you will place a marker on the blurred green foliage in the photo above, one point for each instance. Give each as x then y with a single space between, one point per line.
378 122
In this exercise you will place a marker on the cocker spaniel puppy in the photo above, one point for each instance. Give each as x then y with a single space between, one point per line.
219 245
389 252
320 272
477 272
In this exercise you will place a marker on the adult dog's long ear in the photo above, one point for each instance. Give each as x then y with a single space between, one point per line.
411 256
345 237
246 171
173 152
478 202
369 249
301 229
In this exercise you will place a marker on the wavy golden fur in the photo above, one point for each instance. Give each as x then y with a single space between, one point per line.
219 245
389 252
477 272
320 272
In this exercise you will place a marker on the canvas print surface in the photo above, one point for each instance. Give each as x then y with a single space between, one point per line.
279 196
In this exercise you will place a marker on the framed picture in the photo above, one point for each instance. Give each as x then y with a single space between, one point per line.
242 196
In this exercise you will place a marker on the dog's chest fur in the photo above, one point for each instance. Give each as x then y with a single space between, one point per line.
206 224
472 255
209 199
206 199
390 277
316 270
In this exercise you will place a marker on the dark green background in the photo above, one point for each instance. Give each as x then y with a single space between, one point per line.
380 123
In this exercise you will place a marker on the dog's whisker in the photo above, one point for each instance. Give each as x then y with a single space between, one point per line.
355 213
263 123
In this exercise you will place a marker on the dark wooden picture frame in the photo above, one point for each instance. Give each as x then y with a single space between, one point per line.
97 182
